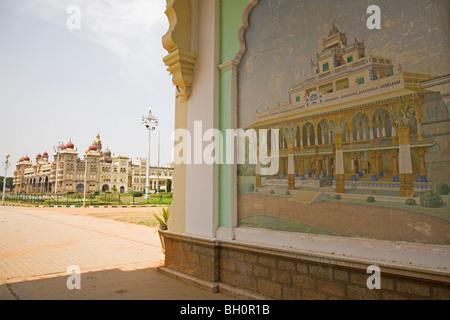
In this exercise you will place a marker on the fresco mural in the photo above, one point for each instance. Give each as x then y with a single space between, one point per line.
362 114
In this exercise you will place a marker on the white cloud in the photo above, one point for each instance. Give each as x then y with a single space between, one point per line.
124 27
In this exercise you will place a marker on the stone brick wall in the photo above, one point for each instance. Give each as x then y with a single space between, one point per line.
198 258
278 274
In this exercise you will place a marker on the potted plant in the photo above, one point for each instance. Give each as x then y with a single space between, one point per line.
162 220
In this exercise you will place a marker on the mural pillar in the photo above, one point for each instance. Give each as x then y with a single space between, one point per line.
291 167
401 113
317 163
339 167
302 168
380 164
394 135
394 154
405 164
422 164
308 161
371 128
301 137
352 167
373 165
379 129
419 123
258 167
360 166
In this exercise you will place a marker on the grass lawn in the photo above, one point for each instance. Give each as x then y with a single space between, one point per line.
142 218
273 223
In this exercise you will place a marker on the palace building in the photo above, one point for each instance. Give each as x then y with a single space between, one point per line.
105 172
356 123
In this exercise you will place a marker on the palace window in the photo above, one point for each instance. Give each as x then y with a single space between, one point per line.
350 59
327 88
326 67
342 84
297 99
361 80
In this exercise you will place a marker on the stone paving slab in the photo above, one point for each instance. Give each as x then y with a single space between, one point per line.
117 260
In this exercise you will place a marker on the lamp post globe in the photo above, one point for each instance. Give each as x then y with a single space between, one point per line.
6 165
150 122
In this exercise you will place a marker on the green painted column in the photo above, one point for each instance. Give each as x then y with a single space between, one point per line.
231 12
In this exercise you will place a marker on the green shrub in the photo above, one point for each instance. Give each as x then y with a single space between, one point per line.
370 199
138 194
410 202
337 197
272 191
431 199
256 190
442 189
288 193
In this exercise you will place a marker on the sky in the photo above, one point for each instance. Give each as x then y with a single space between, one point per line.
59 84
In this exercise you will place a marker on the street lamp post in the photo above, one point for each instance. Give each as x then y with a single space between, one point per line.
6 164
150 122
85 177
57 149
157 174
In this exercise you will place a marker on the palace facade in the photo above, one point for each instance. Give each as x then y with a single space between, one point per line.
358 123
105 172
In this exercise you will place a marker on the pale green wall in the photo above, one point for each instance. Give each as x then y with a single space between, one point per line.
230 21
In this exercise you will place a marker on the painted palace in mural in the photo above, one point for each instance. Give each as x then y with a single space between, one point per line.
105 173
360 122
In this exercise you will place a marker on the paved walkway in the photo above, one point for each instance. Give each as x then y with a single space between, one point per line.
116 260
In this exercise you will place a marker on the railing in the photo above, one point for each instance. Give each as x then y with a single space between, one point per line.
354 93
347 67
93 199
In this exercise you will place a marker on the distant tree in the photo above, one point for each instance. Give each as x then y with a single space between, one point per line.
9 183
169 186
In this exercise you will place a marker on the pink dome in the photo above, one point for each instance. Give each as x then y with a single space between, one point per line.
70 145
93 147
